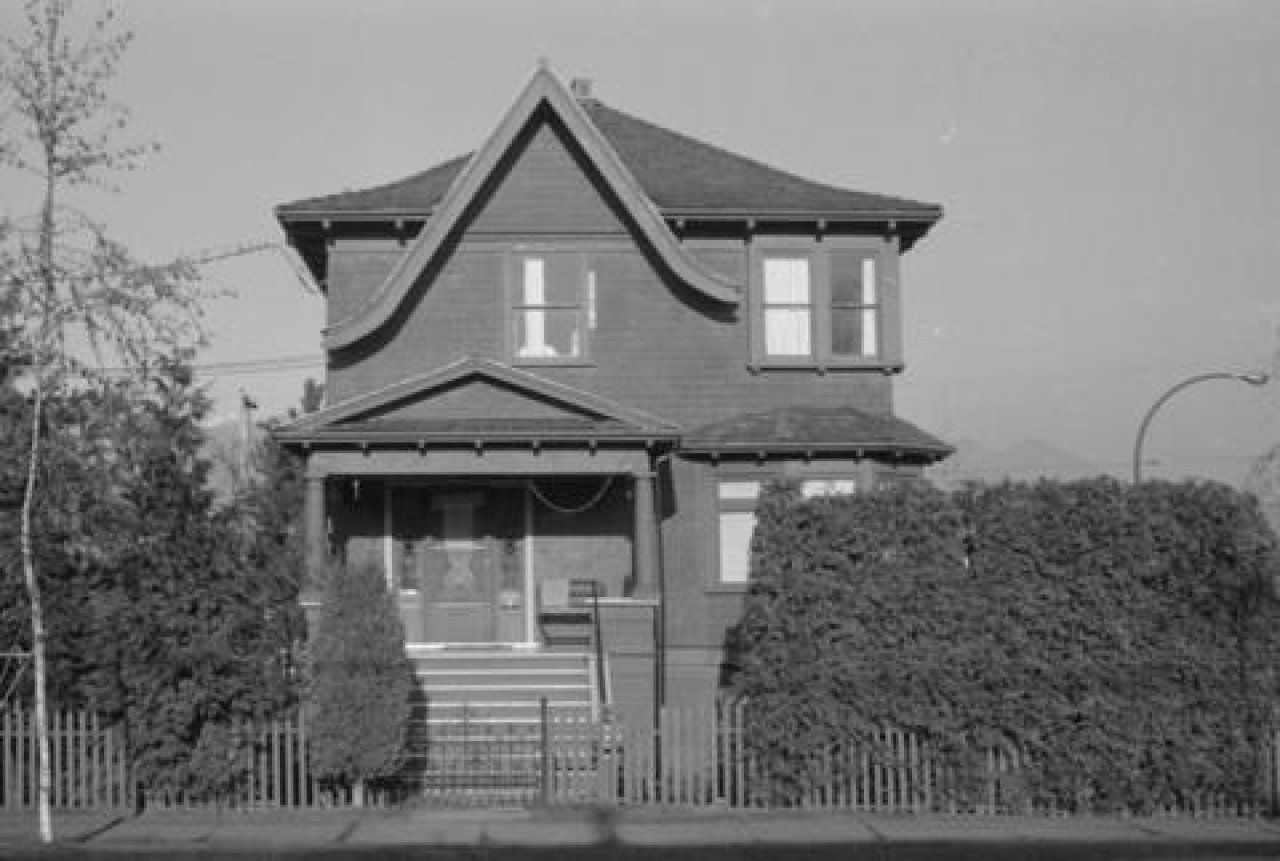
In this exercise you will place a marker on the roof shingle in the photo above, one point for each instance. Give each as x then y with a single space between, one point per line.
816 428
681 175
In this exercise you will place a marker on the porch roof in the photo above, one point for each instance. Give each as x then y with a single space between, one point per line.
816 430
524 431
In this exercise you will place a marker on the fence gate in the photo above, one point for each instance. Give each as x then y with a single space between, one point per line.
478 761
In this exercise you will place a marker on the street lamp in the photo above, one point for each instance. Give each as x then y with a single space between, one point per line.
1253 378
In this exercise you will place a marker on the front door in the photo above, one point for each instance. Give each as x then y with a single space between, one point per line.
462 568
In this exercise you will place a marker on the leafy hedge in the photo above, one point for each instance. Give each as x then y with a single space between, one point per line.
1123 639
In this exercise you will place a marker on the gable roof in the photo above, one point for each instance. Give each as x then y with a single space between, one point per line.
816 429
681 175
582 414
543 90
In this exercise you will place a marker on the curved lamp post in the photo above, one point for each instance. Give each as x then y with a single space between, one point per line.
1255 378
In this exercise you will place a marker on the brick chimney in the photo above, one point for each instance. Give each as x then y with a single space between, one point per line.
581 89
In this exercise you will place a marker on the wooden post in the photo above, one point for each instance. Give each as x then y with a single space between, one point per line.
645 537
314 525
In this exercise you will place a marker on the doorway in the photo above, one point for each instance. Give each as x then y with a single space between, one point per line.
459 555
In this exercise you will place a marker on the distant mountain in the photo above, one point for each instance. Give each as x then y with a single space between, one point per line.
1027 460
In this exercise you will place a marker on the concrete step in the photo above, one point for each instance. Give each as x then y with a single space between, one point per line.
498 684
449 679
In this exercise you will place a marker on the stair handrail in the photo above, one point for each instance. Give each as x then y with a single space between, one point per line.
598 640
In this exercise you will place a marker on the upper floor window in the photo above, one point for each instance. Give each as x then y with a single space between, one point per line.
788 307
552 307
820 307
855 306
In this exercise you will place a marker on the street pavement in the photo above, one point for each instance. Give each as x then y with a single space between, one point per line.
628 833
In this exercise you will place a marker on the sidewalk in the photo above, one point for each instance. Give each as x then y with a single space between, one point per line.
887 836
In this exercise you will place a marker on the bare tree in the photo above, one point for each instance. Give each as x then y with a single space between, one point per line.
72 299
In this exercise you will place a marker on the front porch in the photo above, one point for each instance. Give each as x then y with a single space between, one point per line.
482 493
494 561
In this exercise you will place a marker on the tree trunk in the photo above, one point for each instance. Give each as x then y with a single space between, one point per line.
37 622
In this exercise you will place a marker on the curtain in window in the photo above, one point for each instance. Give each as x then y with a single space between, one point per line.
787 308
533 292
869 345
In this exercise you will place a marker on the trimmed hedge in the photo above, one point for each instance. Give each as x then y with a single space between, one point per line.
1123 639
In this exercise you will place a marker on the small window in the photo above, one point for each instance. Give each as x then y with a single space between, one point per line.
736 512
549 309
828 487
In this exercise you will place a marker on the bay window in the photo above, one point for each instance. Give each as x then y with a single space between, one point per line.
821 306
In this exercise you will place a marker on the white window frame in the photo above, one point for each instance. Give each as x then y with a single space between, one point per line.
875 306
531 306
732 497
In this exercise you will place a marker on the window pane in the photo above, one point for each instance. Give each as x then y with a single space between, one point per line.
786 332
846 331
739 489
735 545
562 286
870 340
853 332
869 281
828 487
533 289
846 278
564 331
786 280
548 333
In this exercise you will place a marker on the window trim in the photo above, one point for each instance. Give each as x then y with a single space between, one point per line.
584 275
716 583
863 475
819 254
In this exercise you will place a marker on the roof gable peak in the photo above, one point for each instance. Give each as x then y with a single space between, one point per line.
543 91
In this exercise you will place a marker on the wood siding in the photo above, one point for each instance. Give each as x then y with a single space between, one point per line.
548 189
656 346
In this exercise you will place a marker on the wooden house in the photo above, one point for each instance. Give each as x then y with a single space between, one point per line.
559 369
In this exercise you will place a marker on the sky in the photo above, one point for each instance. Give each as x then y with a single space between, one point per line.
1110 174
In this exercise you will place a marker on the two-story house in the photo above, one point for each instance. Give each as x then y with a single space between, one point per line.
574 355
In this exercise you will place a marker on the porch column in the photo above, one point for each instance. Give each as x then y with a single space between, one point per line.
313 526
645 536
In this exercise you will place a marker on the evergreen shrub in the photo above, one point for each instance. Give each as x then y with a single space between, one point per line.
1122 639
360 680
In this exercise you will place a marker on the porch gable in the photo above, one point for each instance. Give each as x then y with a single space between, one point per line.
479 398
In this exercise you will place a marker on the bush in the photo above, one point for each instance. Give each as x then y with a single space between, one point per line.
1123 639
360 680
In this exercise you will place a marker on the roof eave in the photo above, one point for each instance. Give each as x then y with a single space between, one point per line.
358 437
927 452
297 215
861 216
